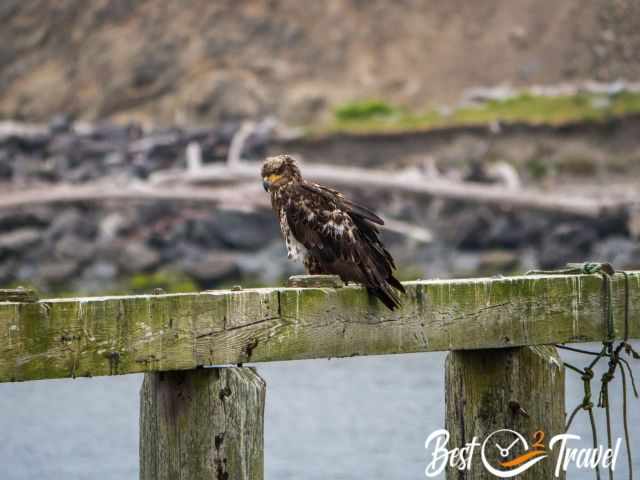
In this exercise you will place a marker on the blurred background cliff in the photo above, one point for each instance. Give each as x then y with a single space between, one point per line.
129 131
199 62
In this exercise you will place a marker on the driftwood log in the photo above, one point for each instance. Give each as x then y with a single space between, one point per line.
218 178
245 197
411 183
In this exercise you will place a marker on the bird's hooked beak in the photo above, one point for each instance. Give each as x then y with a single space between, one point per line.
267 182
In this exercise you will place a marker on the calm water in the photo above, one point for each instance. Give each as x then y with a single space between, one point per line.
340 419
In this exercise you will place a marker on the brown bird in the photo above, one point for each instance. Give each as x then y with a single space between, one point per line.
332 234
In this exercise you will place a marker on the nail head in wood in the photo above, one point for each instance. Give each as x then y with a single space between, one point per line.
19 295
315 281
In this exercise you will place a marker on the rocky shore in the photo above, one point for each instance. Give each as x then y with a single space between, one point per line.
136 246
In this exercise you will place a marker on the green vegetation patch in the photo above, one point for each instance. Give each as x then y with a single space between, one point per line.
377 116
364 111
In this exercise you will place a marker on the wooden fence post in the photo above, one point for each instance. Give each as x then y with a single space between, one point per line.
521 389
202 424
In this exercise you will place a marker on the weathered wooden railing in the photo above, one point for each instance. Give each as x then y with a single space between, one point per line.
202 423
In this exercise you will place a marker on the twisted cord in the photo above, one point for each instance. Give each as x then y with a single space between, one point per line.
610 351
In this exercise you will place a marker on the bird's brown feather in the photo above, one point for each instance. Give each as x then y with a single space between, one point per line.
340 237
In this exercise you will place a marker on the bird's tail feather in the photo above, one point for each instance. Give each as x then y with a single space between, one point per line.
395 283
386 296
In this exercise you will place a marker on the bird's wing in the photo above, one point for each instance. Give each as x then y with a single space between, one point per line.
317 222
339 199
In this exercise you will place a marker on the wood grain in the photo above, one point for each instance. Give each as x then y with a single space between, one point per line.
520 389
60 338
202 424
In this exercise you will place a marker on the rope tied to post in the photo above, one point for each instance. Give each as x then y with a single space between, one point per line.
609 350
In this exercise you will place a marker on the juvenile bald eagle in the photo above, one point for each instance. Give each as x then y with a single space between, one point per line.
332 234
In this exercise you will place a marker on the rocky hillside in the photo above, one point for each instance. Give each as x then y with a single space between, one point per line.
196 61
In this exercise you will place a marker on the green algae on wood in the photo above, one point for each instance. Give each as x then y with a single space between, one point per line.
60 338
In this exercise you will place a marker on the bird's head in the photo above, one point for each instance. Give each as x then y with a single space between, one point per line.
278 171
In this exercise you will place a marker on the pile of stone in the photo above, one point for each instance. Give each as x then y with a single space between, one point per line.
482 240
88 250
75 152
91 248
